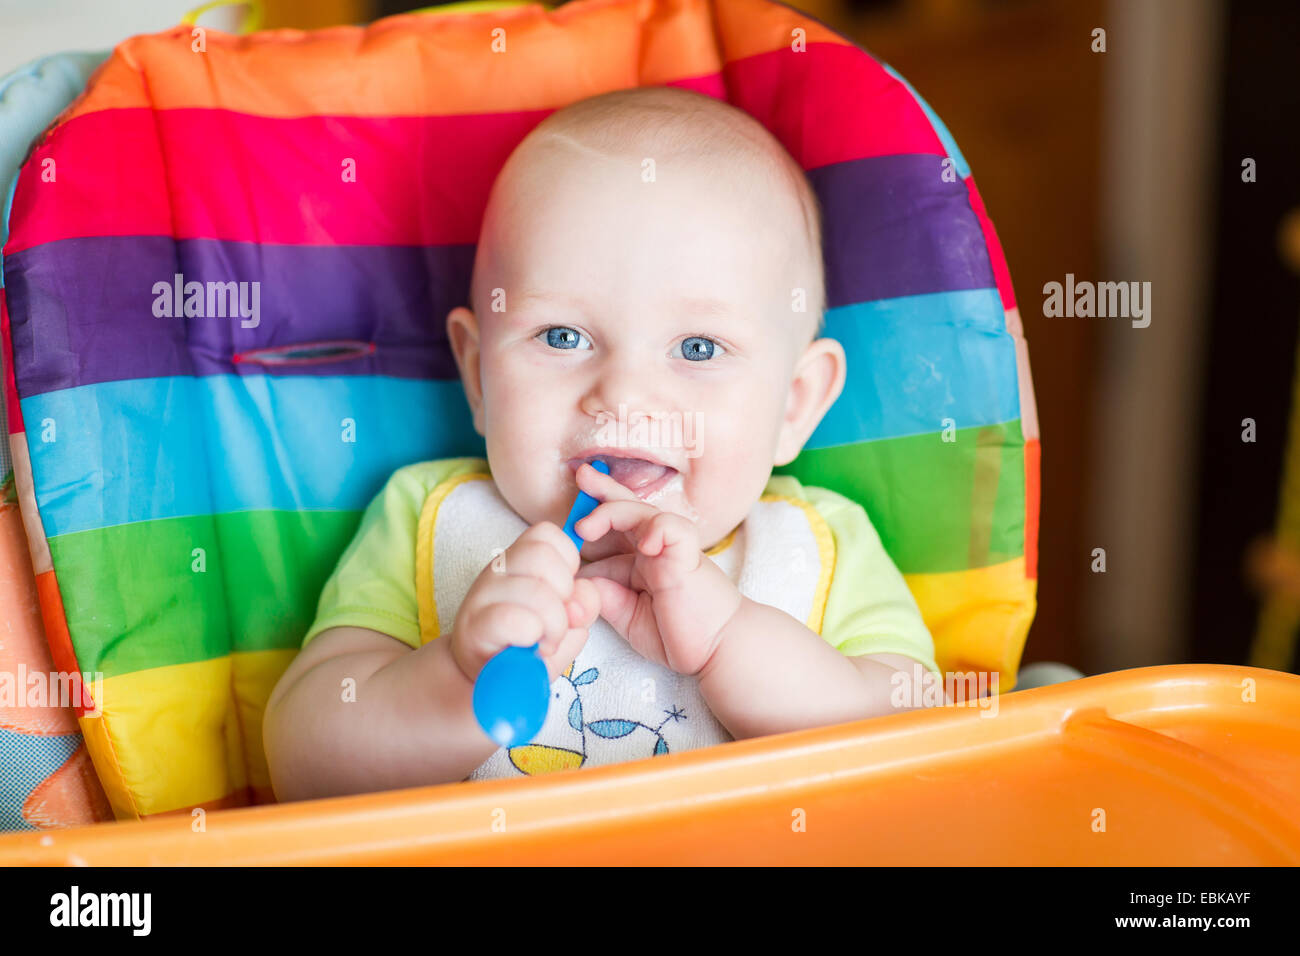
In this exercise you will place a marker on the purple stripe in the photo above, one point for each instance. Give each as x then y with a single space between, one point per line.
893 227
83 309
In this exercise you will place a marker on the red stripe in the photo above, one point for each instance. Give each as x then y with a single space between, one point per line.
13 413
216 174
999 261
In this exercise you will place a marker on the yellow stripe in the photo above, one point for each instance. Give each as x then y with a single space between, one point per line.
825 552
427 603
99 745
173 737
979 618
254 676
160 742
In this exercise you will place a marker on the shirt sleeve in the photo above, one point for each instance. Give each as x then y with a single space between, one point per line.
869 608
373 585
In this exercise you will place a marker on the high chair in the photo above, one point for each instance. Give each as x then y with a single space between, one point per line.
185 483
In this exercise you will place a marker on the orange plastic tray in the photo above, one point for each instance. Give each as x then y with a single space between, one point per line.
1185 764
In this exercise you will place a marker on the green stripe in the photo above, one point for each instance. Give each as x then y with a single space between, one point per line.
138 602
939 506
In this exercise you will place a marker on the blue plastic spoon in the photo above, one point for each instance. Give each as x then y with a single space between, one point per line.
513 691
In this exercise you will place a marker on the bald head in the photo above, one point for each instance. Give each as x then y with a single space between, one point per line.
672 126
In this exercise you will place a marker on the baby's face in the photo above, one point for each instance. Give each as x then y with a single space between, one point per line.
651 324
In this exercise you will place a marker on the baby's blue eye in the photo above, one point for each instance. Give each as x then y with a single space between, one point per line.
562 337
699 349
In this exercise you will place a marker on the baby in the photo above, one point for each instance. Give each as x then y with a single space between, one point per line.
648 290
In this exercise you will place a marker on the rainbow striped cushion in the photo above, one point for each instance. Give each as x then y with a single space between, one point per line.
195 489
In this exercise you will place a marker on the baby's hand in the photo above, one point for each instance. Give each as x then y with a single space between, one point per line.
526 596
665 599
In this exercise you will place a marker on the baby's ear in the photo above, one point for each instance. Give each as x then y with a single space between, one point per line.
462 333
818 380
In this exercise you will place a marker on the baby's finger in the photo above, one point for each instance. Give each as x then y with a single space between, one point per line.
559 659
553 534
584 606
617 603
537 596
583 609
618 567
672 536
498 626
537 558
614 516
601 486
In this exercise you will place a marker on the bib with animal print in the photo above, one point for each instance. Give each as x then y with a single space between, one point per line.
613 704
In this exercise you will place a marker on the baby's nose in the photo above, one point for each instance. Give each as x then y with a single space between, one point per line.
631 386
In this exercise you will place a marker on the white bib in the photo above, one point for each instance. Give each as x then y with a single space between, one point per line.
613 704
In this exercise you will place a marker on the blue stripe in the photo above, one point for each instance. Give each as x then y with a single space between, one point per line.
945 137
916 360
116 452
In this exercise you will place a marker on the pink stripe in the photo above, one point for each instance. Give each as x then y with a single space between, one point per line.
832 104
1001 273
419 180
289 187
107 175
13 413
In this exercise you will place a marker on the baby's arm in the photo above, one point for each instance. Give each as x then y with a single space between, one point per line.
359 710
411 723
770 674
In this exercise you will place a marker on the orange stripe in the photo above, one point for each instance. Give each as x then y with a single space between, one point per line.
1032 456
399 66
388 68
56 629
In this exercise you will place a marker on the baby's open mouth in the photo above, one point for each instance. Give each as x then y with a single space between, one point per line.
641 476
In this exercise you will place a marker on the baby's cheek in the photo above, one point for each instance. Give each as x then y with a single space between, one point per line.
723 496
